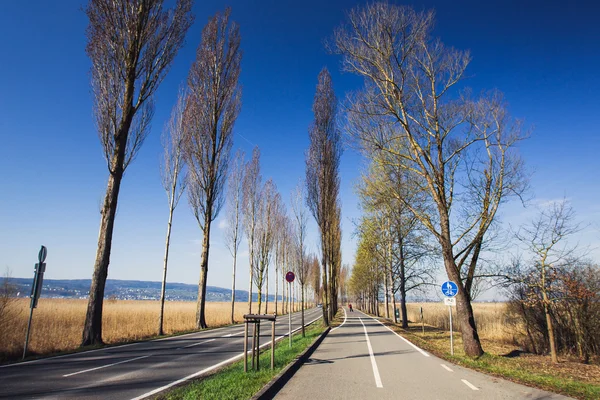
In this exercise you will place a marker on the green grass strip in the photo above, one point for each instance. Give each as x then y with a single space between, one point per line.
502 367
514 371
231 383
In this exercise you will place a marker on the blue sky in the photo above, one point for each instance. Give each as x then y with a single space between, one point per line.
543 55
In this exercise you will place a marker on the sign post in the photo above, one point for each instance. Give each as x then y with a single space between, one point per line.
450 289
289 277
36 290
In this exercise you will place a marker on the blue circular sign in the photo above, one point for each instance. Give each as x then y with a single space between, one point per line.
449 289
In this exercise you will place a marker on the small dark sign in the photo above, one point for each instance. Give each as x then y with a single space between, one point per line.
290 277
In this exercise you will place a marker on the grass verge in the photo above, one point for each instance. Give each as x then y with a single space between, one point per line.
231 383
571 379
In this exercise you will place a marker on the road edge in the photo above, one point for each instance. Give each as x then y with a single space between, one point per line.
270 389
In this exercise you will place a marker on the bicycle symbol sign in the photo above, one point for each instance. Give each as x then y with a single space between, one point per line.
449 289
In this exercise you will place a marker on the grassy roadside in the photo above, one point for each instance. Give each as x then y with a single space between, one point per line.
568 378
231 383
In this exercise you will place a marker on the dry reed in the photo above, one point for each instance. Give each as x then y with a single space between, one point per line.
492 319
57 323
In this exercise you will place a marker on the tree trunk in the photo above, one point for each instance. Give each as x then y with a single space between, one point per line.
284 296
393 294
92 330
386 290
466 318
403 305
276 291
385 272
403 287
233 286
550 327
267 290
250 244
302 291
164 277
331 303
200 316
471 342
259 293
325 288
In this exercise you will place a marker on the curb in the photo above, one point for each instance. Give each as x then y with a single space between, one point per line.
271 388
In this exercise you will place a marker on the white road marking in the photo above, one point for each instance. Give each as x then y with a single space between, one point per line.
194 333
105 366
338 327
197 344
469 384
213 367
373 362
68 355
114 347
395 333
233 334
446 367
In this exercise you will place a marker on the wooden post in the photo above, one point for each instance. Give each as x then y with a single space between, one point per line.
273 344
253 343
258 345
245 345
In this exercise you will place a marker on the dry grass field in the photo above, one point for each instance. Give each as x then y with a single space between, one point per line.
493 321
57 323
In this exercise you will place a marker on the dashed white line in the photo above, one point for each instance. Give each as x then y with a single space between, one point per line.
373 362
17 364
206 370
407 341
446 367
233 334
197 344
469 384
105 366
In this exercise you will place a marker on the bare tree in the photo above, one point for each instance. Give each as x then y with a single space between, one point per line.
213 106
131 45
404 249
269 209
174 181
460 149
545 240
235 231
322 180
281 242
251 203
298 201
285 250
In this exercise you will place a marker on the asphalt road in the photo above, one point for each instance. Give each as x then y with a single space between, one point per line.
137 370
363 359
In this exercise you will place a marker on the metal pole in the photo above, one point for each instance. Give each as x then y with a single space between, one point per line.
273 344
290 321
451 338
246 346
422 322
27 335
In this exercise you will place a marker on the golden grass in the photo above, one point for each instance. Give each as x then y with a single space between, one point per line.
57 323
492 319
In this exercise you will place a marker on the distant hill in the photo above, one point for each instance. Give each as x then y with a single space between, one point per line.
128 290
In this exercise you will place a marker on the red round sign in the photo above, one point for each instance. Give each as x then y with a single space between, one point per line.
290 277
